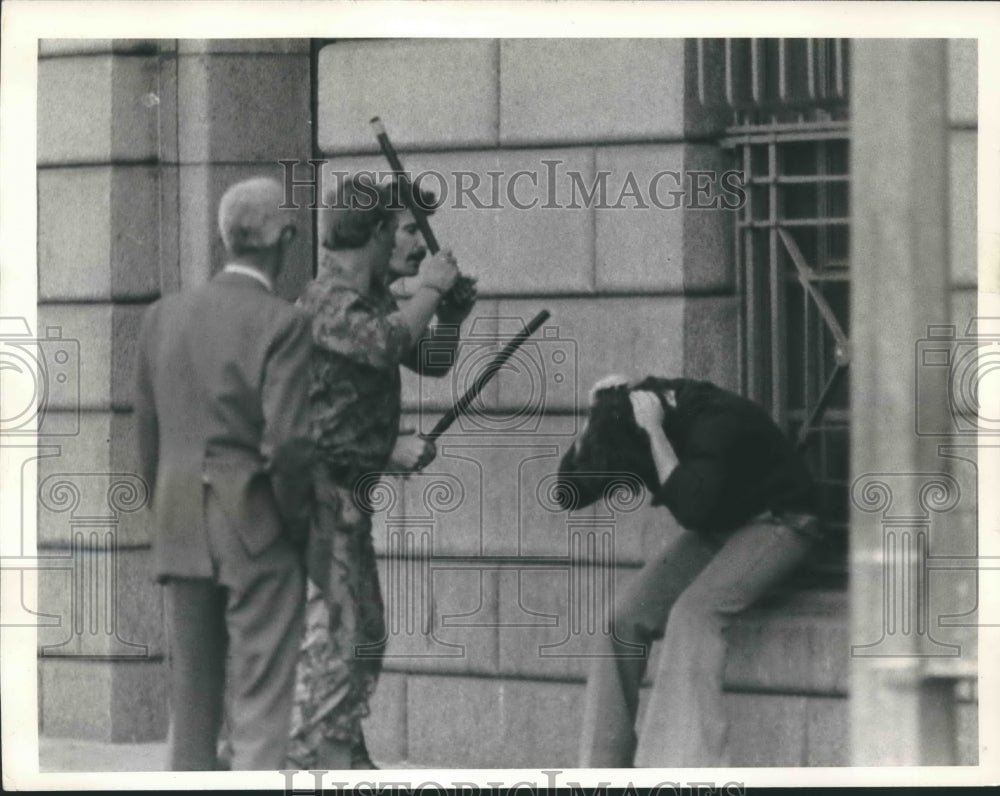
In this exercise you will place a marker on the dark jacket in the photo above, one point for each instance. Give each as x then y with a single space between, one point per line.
733 461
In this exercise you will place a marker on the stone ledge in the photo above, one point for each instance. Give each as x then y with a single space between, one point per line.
796 643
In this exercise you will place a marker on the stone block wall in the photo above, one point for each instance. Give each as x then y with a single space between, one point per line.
483 578
913 251
99 262
137 140
547 155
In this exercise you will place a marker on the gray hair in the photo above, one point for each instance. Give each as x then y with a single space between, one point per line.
250 215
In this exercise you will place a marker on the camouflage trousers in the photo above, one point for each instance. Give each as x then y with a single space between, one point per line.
341 655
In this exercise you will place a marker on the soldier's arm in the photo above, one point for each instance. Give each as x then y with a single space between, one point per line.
351 327
434 352
437 277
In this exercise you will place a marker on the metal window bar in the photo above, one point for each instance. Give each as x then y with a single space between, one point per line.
823 67
783 132
799 222
756 71
797 179
730 99
778 362
762 76
822 249
788 99
839 70
782 70
811 67
742 240
764 340
700 50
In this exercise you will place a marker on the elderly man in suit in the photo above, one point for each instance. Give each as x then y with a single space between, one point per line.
223 425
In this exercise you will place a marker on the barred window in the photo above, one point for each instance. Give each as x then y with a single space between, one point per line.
789 134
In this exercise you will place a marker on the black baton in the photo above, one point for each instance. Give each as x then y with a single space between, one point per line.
462 405
412 202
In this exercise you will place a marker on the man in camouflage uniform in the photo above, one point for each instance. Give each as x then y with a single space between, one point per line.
360 336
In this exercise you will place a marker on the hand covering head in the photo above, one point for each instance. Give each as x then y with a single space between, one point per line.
612 453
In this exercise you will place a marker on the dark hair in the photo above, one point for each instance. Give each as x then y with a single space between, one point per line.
357 204
424 199
612 446
614 434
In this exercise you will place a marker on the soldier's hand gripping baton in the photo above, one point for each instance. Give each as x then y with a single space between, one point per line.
463 404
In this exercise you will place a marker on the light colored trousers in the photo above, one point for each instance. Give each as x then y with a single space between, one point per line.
697 585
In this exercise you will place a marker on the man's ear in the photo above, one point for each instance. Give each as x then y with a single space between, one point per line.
670 396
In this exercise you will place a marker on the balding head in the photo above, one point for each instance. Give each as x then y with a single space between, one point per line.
250 216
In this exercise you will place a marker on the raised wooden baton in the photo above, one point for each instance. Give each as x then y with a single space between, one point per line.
412 202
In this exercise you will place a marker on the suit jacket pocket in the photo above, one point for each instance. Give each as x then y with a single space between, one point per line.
246 498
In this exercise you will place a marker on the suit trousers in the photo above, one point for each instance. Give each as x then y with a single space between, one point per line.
251 613
684 596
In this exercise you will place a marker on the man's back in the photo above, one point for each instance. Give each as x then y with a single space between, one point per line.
221 400
735 461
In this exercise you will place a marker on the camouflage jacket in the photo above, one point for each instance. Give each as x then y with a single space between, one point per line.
354 392
359 342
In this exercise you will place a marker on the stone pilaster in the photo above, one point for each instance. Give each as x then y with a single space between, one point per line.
137 141
99 261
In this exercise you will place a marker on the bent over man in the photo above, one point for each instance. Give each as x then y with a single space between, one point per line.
222 408
742 497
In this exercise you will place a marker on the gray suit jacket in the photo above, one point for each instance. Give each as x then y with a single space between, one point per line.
221 402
